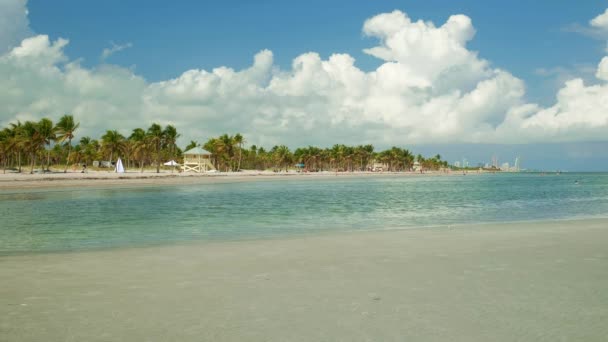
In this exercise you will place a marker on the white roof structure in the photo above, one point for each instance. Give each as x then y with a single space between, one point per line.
198 160
197 151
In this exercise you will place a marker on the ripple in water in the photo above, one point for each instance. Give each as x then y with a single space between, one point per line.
99 218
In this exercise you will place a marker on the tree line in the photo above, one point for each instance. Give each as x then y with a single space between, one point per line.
229 154
44 143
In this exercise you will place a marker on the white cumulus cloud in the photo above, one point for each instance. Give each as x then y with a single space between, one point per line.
430 88
601 21
14 24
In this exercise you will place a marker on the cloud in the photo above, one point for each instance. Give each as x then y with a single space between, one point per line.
600 22
39 80
14 24
430 88
107 52
602 70
596 28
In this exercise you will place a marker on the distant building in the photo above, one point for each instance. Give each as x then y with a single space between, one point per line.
197 160
379 167
517 166
457 164
504 167
417 166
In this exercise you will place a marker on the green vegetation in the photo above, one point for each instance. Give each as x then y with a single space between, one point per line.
228 154
30 143
45 144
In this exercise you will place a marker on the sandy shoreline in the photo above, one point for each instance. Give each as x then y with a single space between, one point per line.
11 181
541 281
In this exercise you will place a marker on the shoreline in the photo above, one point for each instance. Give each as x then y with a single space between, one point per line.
16 181
332 234
498 282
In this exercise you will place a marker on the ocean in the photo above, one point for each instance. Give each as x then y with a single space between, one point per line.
77 219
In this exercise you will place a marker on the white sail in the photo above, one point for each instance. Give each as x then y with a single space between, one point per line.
119 167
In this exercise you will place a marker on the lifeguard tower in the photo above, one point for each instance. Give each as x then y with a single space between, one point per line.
197 160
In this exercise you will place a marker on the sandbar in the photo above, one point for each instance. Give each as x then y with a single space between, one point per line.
543 281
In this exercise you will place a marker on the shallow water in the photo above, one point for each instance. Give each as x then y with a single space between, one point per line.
77 219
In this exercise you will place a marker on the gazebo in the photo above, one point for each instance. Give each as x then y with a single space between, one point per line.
198 160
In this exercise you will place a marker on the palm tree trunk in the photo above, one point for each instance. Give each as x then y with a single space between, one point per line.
19 161
158 158
67 161
240 157
48 159
33 162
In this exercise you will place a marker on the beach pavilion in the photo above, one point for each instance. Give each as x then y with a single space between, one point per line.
198 160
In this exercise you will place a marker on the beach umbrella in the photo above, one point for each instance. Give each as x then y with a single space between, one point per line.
171 163
119 167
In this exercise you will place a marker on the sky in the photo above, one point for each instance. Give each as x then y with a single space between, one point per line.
465 79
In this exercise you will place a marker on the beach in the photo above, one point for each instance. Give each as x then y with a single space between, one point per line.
543 281
303 171
16 181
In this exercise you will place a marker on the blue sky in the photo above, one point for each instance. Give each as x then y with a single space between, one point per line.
170 37
512 78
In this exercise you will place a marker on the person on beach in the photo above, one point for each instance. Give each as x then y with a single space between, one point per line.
84 168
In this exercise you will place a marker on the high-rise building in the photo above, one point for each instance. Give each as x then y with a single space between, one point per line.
495 161
517 167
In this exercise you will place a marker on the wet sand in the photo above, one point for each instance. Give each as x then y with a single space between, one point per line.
504 282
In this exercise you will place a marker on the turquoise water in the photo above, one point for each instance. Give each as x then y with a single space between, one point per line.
76 219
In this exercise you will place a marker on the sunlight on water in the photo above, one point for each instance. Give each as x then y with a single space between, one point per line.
50 220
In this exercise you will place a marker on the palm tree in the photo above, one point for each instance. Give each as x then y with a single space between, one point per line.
226 149
261 158
12 144
253 156
191 145
157 138
112 141
282 156
33 141
141 146
239 140
212 145
47 134
65 129
4 147
17 141
56 154
171 136
89 148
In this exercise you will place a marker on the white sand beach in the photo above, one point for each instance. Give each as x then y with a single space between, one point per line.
11 180
542 281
